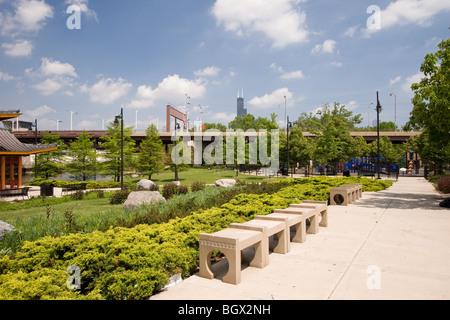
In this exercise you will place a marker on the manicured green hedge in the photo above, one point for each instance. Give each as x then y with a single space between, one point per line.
137 262
89 184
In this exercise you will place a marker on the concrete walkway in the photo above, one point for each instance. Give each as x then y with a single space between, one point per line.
393 244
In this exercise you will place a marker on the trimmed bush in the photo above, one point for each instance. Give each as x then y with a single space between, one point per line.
444 184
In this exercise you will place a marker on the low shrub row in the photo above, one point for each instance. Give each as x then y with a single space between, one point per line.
135 263
89 184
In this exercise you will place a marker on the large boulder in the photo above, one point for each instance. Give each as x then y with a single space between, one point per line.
138 198
5 228
145 184
226 183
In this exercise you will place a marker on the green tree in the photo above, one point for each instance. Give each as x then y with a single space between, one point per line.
150 159
51 164
84 157
112 150
300 148
332 126
431 106
248 121
390 152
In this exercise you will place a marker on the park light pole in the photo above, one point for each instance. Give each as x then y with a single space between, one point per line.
177 126
116 123
288 125
379 108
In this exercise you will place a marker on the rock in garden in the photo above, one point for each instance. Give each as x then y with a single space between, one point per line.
4 228
145 184
226 183
138 198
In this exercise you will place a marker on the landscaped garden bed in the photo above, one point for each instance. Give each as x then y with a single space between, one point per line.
137 262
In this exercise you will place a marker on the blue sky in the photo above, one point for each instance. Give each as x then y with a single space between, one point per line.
141 55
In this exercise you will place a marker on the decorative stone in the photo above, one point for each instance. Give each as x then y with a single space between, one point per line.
5 228
145 184
226 183
138 198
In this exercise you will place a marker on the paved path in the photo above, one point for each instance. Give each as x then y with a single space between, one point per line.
393 244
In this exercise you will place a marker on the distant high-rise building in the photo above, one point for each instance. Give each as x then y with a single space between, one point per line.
241 110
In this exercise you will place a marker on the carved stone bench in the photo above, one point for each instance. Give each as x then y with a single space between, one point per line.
268 229
230 242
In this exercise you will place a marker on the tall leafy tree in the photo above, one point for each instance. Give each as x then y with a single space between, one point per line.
84 157
112 150
150 159
431 106
51 164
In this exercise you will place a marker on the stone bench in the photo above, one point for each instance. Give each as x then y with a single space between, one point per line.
230 242
342 196
268 228
309 213
321 206
358 189
297 221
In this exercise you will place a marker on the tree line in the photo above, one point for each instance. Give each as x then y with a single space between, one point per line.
331 126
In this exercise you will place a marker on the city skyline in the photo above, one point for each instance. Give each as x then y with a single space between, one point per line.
78 70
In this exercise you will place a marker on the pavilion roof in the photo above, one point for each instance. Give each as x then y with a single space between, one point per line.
10 145
9 114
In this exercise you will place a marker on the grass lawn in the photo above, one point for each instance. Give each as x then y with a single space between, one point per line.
207 176
78 207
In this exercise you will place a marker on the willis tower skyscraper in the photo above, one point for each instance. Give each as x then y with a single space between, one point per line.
240 104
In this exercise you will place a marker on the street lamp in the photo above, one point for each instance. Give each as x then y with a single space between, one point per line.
177 126
285 110
71 118
57 124
35 125
378 109
288 125
116 123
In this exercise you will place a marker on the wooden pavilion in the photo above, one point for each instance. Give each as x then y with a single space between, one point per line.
11 153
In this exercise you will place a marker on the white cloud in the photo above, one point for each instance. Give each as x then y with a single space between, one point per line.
404 12
207 72
395 80
57 68
336 64
20 48
280 20
6 77
350 32
415 78
421 12
84 7
107 91
59 75
172 89
48 86
293 75
351 105
223 117
327 46
29 16
271 100
287 75
39 112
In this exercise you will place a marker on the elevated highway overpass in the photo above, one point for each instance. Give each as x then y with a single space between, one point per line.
166 137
